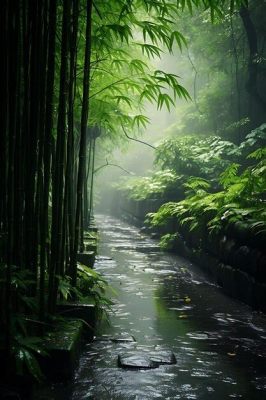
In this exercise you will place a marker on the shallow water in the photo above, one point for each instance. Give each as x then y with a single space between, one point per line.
166 303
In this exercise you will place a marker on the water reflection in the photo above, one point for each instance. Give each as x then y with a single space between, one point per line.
164 303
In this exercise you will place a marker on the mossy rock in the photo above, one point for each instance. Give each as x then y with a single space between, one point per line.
90 245
86 258
62 345
81 311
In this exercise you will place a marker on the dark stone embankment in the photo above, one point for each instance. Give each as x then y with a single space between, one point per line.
235 260
60 343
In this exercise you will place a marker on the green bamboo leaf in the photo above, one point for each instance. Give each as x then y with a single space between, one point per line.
140 120
118 63
258 154
122 32
165 99
126 99
32 365
150 50
179 39
148 95
138 65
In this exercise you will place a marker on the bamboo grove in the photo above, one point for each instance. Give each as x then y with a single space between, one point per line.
43 159
71 70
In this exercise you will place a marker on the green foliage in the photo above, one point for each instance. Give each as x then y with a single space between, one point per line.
167 241
156 186
252 146
222 193
24 346
228 177
191 155
242 199
65 288
121 49
24 351
195 184
22 282
219 70
91 287
180 158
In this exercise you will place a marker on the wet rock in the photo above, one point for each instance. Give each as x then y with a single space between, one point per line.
116 339
92 228
63 347
261 267
155 235
90 245
103 258
122 339
144 229
149 360
136 361
260 296
201 335
245 287
87 258
163 357
242 258
147 248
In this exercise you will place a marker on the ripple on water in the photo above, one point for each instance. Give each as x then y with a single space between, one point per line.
199 336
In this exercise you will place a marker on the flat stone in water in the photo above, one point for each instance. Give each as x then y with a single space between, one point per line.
123 339
163 357
149 360
136 361
199 335
116 339
103 258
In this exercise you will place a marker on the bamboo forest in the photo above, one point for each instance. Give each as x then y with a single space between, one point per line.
133 200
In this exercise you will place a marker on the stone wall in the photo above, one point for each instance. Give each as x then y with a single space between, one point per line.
235 260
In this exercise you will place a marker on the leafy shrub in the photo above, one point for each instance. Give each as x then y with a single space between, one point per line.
180 158
190 155
242 198
167 241
155 186
91 287
220 193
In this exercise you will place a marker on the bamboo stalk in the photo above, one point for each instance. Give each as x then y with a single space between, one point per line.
83 140
58 179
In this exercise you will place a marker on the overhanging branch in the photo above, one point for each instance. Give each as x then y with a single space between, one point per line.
112 165
137 140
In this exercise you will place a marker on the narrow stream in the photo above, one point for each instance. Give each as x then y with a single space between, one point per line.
165 303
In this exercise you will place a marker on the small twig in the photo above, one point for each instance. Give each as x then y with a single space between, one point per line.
138 140
108 86
112 165
195 82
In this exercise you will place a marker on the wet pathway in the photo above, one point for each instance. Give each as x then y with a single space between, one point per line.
166 303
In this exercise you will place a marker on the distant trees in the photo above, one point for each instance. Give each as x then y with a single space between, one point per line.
229 85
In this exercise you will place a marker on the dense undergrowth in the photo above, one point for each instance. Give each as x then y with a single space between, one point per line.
215 183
